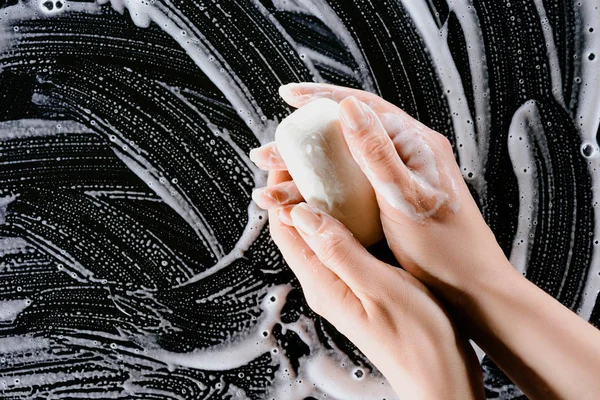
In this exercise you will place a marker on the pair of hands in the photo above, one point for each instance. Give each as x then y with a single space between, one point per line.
436 232
429 219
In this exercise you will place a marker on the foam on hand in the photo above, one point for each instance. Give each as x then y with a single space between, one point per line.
313 147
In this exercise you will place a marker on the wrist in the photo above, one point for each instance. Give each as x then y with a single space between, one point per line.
527 333
436 366
449 381
469 265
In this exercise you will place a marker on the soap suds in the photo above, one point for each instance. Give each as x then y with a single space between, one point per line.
132 258
424 176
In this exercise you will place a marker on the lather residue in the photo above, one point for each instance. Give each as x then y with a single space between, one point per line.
133 263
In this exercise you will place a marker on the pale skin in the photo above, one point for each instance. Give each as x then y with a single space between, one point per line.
436 232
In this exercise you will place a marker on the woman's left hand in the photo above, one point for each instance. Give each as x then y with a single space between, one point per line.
386 312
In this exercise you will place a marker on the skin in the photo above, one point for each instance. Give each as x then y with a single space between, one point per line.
435 230
390 316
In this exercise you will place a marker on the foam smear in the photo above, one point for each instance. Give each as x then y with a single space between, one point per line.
118 281
323 371
521 155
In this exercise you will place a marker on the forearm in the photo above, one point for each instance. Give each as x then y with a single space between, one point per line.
546 349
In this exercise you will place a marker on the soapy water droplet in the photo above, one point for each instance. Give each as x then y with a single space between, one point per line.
51 6
177 33
587 150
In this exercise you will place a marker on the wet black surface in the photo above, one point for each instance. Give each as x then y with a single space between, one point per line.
125 179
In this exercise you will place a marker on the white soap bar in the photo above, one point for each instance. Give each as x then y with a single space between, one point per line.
315 152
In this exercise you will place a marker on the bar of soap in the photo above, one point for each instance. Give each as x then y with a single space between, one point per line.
311 142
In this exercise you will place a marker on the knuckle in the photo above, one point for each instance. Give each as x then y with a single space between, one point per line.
333 249
336 95
376 147
374 295
379 309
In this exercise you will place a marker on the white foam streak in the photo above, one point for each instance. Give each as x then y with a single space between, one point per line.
307 61
322 10
19 344
323 59
588 116
10 309
199 49
521 155
4 202
325 372
469 23
24 128
149 175
236 353
10 245
256 221
322 371
436 43
552 53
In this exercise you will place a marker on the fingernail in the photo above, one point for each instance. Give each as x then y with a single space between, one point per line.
252 155
277 195
285 91
256 196
354 114
306 219
283 214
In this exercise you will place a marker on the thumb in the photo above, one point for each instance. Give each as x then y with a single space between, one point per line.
373 149
336 248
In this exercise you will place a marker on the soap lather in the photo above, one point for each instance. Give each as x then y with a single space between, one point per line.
311 142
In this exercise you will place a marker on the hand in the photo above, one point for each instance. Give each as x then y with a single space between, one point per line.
430 219
387 313
434 228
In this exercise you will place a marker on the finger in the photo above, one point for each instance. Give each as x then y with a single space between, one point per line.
371 146
335 247
275 177
281 194
325 292
285 215
267 157
299 94
392 117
